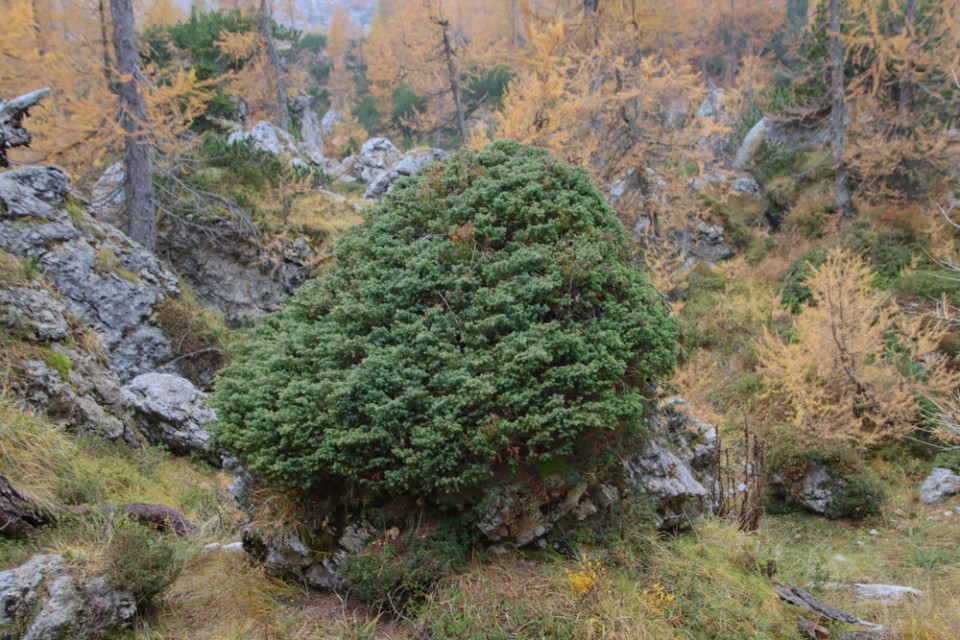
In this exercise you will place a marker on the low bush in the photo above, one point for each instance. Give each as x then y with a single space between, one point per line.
141 562
397 575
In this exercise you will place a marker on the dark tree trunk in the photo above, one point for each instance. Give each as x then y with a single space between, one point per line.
448 55
906 73
137 162
20 516
12 113
838 112
283 114
519 32
590 7
105 44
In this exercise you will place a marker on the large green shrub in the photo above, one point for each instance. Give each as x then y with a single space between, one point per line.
483 322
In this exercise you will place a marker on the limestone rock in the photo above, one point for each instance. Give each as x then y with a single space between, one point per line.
312 137
411 163
87 403
42 313
33 192
229 270
265 136
712 105
108 198
887 593
939 485
44 600
330 121
745 185
751 143
103 276
376 156
170 410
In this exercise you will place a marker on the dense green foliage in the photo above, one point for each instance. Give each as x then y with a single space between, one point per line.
483 321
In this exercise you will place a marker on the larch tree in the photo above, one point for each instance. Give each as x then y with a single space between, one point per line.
338 45
855 368
137 161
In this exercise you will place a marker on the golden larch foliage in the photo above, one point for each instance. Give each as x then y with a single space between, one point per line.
853 367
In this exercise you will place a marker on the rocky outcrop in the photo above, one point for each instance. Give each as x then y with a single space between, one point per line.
410 164
698 240
285 555
312 132
827 491
85 398
331 120
678 468
230 271
45 600
939 485
103 277
170 411
265 136
376 156
751 143
34 310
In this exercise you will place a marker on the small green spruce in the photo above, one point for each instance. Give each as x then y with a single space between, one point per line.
484 320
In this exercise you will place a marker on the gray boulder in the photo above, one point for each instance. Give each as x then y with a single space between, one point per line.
751 143
376 156
44 600
330 121
886 593
312 137
103 277
40 311
410 164
745 185
171 411
265 136
939 485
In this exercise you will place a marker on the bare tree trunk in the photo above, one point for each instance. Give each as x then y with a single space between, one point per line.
448 54
906 73
138 186
838 112
12 113
283 115
105 44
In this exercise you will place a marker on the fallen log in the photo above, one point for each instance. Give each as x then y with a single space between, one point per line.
814 631
12 113
20 515
805 600
159 517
